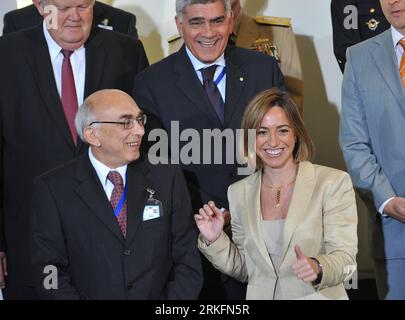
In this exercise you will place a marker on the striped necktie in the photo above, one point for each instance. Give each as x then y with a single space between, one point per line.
118 183
402 64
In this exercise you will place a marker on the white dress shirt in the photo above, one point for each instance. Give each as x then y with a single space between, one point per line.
77 60
102 172
197 64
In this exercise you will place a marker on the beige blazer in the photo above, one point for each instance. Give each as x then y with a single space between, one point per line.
322 219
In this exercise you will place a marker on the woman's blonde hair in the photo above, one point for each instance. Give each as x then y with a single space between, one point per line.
252 119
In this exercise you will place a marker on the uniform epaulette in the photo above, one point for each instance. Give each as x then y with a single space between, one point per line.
273 21
173 38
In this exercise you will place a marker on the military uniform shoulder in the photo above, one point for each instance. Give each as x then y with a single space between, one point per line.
173 38
273 21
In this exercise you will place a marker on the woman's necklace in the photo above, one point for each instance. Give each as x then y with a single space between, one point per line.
278 190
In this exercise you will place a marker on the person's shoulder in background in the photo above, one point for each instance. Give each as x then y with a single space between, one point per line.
109 17
370 22
20 19
105 16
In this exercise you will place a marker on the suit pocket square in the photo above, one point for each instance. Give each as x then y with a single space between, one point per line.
105 27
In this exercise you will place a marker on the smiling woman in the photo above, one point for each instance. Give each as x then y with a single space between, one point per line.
294 223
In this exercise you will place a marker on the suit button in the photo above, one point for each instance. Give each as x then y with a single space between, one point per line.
127 252
130 286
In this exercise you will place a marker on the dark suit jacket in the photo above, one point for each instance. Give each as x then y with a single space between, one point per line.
171 91
34 132
74 229
344 38
27 17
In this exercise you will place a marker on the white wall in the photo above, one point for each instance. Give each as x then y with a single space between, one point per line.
155 23
5 6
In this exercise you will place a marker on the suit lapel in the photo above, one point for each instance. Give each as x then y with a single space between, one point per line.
235 82
137 183
255 217
190 85
93 195
386 61
40 63
302 194
95 59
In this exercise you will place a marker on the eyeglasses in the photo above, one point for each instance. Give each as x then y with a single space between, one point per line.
128 123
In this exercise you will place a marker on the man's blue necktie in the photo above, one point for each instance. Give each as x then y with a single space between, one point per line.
212 91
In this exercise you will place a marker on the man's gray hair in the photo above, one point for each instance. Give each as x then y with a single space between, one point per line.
182 4
84 117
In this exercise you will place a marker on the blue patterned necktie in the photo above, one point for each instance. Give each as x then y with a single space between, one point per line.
118 183
212 91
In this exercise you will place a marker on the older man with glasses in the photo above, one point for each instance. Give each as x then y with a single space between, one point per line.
109 225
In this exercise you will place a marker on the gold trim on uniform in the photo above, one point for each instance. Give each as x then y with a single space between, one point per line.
173 38
274 21
265 46
372 24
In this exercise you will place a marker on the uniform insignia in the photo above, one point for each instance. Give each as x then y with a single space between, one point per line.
273 21
265 46
173 38
372 24
104 24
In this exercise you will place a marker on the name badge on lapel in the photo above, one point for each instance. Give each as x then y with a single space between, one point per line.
153 208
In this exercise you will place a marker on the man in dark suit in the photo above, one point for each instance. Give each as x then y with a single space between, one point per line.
104 16
173 90
99 248
370 22
40 90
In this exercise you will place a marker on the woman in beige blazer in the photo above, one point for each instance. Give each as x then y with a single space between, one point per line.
294 223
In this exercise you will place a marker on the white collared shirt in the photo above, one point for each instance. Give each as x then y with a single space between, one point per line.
197 64
102 172
396 37
77 60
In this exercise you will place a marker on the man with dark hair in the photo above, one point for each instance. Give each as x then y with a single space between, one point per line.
272 36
